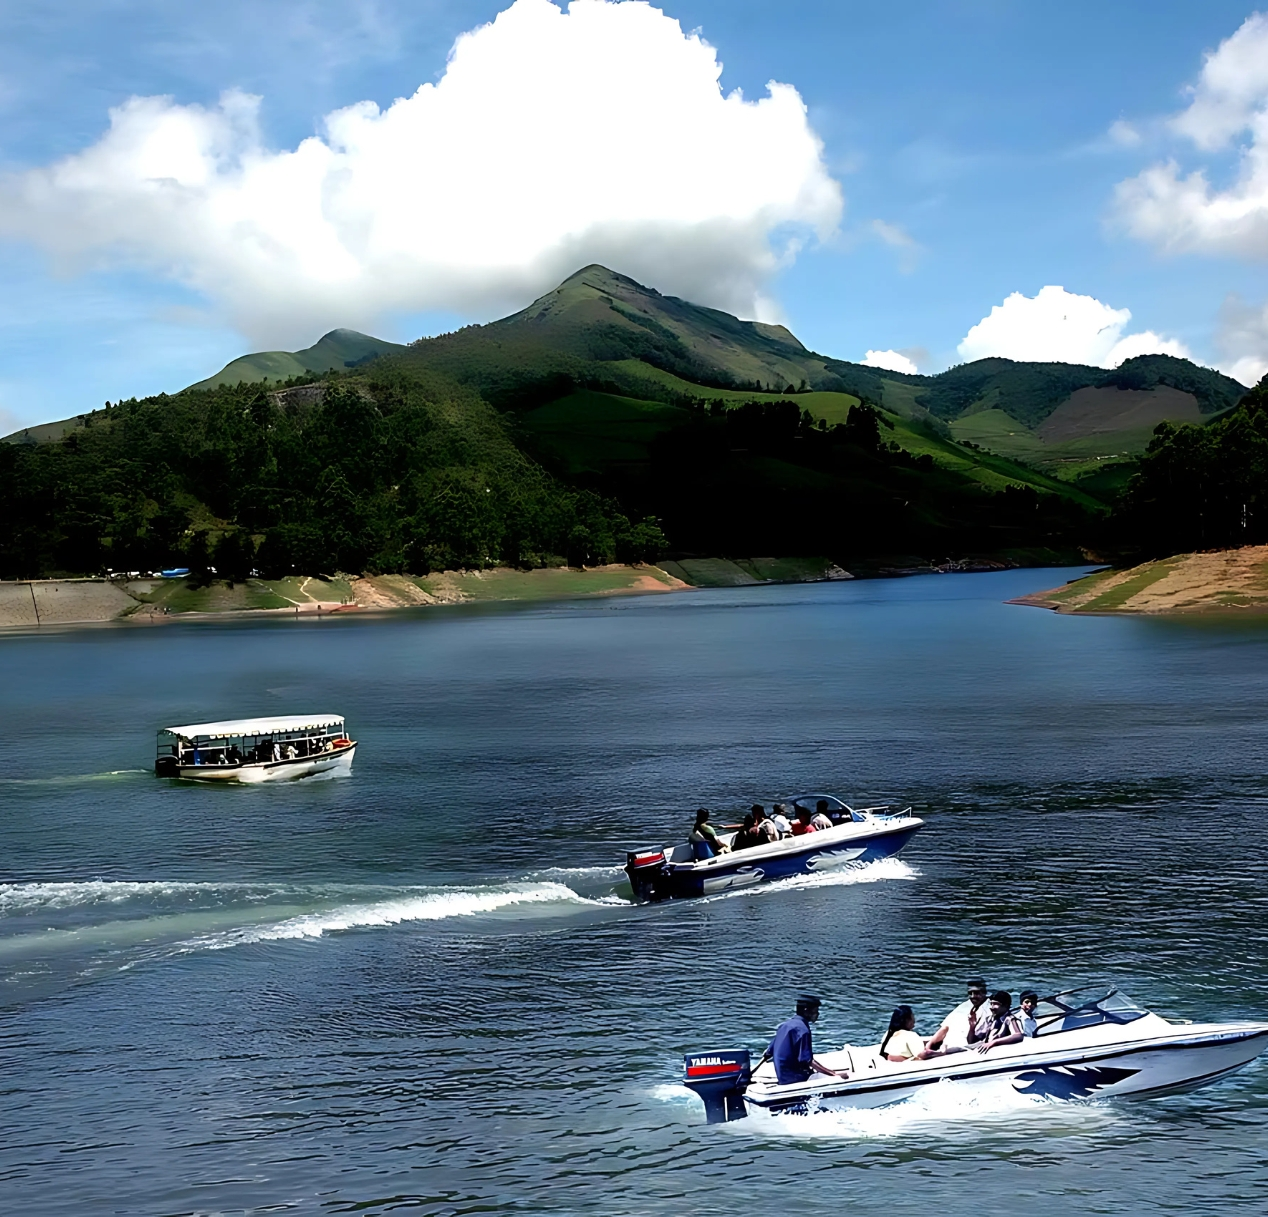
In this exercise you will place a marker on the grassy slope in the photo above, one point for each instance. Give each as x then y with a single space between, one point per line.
334 352
588 430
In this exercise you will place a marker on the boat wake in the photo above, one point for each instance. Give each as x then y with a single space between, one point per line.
76 779
940 1112
845 876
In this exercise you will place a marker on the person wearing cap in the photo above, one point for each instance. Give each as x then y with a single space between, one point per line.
792 1048
1026 1004
959 1028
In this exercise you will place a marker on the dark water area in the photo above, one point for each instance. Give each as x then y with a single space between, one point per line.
422 987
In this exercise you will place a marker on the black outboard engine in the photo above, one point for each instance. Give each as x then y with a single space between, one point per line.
720 1079
645 867
167 767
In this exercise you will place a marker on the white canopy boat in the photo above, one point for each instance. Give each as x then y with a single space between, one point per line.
1092 1043
255 749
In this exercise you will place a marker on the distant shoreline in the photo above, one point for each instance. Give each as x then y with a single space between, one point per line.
65 603
1227 582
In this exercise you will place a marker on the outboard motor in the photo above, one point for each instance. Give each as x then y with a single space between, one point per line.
167 767
644 868
720 1079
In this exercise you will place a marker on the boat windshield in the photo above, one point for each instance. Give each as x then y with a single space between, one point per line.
1086 1007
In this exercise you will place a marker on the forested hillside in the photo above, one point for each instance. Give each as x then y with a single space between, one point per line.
603 423
1200 487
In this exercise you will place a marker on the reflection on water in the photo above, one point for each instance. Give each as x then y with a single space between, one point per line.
425 987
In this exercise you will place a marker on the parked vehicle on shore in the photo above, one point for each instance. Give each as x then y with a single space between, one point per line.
255 749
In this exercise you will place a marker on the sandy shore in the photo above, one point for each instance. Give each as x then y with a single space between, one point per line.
1229 581
64 602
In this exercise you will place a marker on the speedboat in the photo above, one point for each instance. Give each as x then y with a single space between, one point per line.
1091 1043
255 749
857 835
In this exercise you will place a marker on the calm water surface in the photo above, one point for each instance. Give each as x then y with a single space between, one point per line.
422 988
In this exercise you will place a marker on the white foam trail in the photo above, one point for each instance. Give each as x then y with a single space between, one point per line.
71 779
31 897
858 872
433 906
945 1110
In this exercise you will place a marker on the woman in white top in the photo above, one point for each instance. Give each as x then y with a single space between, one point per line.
901 1043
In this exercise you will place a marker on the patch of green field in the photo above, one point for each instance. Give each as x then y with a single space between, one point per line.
785 570
989 469
1080 587
183 596
832 405
995 430
587 430
710 572
556 583
1117 596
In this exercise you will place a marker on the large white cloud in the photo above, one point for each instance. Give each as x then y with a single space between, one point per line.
891 361
1185 213
1242 340
553 139
1056 326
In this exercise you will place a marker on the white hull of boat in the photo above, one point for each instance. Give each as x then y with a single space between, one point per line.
1150 1057
272 771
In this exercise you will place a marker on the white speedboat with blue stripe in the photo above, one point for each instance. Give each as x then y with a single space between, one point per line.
1092 1043
858 835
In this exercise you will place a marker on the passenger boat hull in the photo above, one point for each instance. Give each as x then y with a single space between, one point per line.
1197 1057
271 771
660 876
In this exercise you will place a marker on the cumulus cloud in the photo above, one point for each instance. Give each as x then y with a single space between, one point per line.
891 361
1056 326
1242 340
554 139
1185 213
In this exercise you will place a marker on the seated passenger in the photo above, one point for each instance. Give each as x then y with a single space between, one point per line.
763 825
821 819
959 1028
779 818
705 842
901 1043
1003 1027
233 756
1026 1014
747 836
802 824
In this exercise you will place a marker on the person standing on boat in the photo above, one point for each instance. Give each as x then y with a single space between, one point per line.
792 1049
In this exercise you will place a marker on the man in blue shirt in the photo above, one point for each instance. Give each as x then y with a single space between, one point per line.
792 1049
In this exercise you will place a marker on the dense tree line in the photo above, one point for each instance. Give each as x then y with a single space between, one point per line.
767 478
397 471
1200 487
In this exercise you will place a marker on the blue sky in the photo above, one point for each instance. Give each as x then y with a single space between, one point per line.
973 145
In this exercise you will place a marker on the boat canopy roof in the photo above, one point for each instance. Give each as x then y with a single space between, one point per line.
257 726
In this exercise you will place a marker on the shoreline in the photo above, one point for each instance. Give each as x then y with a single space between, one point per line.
36 604
1226 583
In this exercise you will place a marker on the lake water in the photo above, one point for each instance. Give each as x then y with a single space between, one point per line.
420 988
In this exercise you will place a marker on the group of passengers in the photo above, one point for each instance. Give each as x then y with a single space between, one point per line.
758 828
264 752
977 1024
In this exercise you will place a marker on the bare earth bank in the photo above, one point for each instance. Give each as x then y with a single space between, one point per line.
1228 581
